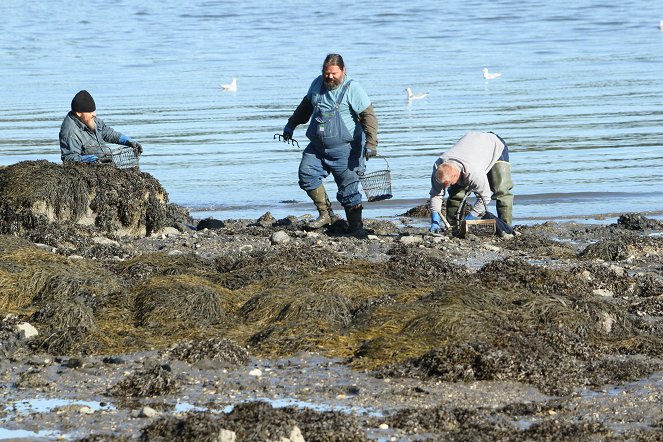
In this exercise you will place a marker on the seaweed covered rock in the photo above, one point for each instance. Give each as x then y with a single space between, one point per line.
258 421
152 381
636 221
221 349
34 194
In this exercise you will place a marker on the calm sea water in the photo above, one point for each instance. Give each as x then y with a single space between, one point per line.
579 100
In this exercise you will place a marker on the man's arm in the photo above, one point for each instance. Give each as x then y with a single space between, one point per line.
369 123
302 114
70 149
108 134
436 190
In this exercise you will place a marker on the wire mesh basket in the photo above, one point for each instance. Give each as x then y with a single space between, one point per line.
377 185
122 157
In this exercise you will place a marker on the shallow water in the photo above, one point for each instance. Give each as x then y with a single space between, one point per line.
578 101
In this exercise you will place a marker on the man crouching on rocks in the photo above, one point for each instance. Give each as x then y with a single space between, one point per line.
82 134
479 163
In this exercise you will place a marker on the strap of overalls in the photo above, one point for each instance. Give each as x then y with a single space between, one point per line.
340 97
342 94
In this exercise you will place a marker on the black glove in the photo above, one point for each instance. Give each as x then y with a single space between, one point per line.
138 149
370 152
287 133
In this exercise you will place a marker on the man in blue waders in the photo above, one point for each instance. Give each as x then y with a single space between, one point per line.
343 135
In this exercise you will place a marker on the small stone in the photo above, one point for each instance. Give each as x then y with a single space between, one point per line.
279 237
296 435
410 239
255 372
104 241
28 330
226 436
384 427
148 412
603 292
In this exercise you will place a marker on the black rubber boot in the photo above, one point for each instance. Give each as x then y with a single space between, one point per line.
355 222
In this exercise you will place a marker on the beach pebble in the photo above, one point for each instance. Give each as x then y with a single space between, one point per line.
279 237
104 241
147 412
491 248
85 410
619 271
295 436
28 330
226 436
169 232
384 427
255 372
603 292
410 239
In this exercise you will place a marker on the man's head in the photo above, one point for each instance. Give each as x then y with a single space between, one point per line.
447 174
333 71
85 109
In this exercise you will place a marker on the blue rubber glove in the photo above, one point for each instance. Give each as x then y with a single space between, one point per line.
287 133
470 217
88 158
435 220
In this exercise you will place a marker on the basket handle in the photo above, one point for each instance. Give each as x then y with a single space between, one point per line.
385 160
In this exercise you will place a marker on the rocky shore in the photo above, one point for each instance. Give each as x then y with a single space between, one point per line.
122 318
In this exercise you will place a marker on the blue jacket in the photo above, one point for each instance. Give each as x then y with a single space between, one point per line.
77 139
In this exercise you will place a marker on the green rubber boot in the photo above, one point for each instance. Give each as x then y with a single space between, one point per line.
321 201
499 178
454 200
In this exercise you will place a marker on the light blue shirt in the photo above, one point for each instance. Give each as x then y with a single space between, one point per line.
355 101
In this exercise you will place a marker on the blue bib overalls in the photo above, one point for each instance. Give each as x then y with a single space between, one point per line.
332 149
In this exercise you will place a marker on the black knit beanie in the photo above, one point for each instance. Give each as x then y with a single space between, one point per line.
83 102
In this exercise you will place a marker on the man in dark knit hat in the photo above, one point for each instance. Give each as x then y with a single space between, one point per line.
83 135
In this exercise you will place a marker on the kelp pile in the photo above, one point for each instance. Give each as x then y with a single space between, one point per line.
415 313
36 196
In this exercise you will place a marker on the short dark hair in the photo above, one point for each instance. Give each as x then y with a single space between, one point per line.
333 60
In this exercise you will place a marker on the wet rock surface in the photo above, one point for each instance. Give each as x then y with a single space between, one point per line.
224 333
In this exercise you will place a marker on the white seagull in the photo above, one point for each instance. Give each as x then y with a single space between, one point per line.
490 76
412 96
230 87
